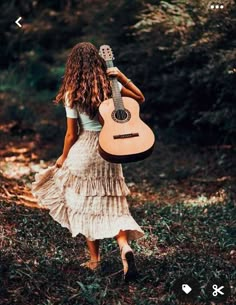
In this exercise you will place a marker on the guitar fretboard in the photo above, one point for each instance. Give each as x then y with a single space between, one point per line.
117 98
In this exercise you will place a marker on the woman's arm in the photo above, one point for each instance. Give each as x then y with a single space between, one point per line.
70 138
128 89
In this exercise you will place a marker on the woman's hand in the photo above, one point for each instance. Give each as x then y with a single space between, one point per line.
114 71
128 89
60 161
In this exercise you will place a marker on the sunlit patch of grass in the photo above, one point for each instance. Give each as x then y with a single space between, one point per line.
183 223
219 197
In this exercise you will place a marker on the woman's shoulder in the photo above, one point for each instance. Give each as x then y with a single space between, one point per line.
67 100
71 110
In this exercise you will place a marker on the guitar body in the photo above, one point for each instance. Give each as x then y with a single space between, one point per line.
125 140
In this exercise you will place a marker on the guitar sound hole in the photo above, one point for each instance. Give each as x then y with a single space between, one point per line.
121 115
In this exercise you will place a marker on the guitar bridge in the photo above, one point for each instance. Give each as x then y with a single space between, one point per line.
126 135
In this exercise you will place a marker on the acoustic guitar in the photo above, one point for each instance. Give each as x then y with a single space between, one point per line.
124 137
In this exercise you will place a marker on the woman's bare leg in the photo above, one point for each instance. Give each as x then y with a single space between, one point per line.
130 270
93 247
122 240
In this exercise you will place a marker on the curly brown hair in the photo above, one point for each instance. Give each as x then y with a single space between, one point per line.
85 82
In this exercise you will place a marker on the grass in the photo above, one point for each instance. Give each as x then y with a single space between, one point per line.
40 261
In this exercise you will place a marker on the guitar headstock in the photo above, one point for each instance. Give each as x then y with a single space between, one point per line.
105 52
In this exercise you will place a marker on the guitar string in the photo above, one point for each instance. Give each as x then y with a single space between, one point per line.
116 95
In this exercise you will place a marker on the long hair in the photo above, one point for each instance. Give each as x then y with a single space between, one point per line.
85 82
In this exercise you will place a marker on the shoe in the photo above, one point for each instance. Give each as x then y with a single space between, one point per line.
90 265
127 256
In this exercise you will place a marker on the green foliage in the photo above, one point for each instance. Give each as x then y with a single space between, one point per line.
20 113
191 76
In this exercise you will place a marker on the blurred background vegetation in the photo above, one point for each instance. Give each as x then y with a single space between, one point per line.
180 53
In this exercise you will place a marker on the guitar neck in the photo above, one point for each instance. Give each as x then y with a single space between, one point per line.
117 99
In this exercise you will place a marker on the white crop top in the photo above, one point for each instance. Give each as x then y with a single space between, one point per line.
84 120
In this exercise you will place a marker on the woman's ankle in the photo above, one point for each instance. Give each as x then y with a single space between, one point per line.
95 258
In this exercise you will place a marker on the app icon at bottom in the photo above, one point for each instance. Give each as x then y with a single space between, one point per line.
186 288
218 290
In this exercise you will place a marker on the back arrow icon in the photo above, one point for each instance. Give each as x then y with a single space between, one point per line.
18 23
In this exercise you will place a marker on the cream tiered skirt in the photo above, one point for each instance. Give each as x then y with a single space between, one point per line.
87 194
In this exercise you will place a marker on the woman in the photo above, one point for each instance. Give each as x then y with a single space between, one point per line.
83 192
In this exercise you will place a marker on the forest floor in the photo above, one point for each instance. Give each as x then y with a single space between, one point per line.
183 197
